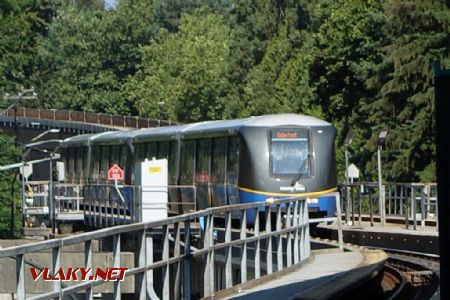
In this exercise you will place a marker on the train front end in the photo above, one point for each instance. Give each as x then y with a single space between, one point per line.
287 156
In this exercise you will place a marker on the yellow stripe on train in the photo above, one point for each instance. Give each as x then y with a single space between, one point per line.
309 194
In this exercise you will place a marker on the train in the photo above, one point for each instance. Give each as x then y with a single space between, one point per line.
227 161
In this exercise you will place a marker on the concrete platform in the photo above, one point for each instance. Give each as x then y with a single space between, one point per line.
392 236
390 227
327 274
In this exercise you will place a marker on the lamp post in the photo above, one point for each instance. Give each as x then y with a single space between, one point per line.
347 141
381 193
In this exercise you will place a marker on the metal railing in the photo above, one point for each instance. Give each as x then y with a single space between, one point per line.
411 203
193 255
85 117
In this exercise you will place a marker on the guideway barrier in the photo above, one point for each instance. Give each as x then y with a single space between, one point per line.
167 252
86 117
411 203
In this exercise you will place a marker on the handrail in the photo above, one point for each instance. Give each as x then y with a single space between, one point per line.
134 122
272 249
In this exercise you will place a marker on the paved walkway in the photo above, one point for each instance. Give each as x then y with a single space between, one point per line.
324 268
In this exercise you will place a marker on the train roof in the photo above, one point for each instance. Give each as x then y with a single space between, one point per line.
226 127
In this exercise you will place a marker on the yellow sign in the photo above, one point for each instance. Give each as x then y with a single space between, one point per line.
154 169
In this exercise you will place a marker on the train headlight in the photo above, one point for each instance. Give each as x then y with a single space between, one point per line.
312 200
270 200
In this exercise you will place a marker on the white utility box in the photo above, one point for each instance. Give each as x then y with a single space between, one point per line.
152 176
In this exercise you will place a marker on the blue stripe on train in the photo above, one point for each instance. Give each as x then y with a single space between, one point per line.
326 203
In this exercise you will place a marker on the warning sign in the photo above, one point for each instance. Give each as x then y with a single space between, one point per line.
116 173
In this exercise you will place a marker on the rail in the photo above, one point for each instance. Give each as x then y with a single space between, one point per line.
414 203
228 260
133 122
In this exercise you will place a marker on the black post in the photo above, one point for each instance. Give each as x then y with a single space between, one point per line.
12 204
442 107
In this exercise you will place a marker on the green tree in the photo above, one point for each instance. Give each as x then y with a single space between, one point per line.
22 22
8 186
405 104
349 37
183 74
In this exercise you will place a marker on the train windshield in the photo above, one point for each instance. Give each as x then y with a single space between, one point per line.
290 152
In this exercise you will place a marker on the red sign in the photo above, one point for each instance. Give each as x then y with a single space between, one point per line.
115 172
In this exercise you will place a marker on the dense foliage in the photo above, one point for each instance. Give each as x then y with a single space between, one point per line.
9 187
362 65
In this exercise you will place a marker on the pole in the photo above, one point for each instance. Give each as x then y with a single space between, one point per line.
23 194
380 189
50 196
442 109
12 204
347 192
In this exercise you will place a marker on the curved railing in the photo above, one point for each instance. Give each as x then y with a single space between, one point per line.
214 256
85 117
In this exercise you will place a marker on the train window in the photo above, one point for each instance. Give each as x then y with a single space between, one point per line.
232 163
95 163
70 163
151 150
104 163
115 156
203 160
64 152
140 152
290 152
123 158
218 160
172 163
85 164
163 150
187 162
232 170
79 163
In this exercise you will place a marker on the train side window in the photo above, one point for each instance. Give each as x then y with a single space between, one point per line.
151 150
218 166
187 162
232 170
70 164
172 163
104 163
85 165
95 163
232 162
123 157
163 150
140 152
115 155
203 161
79 164
64 153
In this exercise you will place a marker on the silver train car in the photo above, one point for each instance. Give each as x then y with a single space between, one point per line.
217 163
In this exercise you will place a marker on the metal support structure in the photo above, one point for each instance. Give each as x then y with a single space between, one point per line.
381 192
243 236
347 192
172 256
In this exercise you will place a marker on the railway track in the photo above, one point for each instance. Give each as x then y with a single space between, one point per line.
420 273
406 275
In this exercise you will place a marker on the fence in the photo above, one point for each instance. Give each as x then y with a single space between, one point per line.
86 117
410 202
168 253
